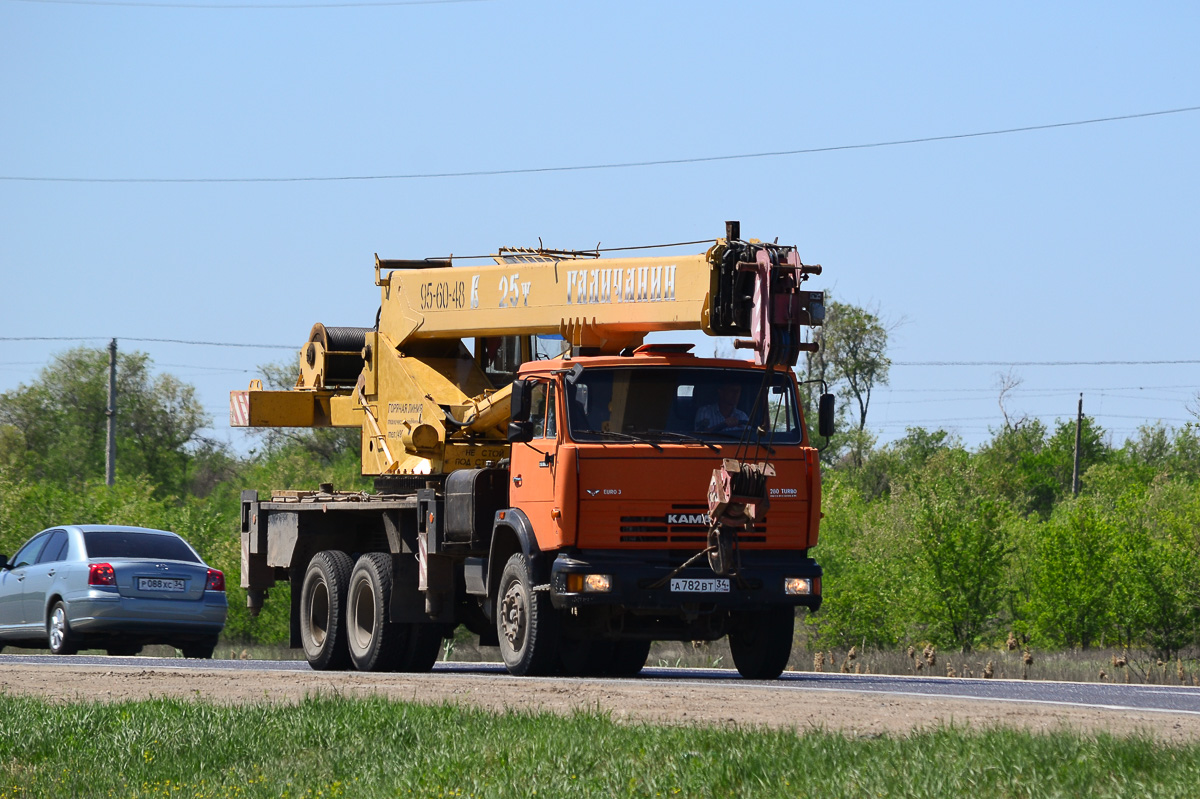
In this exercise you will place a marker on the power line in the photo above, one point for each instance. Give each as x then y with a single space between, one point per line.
1045 363
1056 415
894 363
152 340
269 6
994 391
614 165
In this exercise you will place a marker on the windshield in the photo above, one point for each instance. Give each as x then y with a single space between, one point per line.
679 403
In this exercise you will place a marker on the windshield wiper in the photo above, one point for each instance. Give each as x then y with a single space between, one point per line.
684 437
756 441
622 436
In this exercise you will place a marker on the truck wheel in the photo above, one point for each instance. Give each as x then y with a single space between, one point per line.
628 658
580 657
322 610
761 642
374 643
422 645
525 622
58 631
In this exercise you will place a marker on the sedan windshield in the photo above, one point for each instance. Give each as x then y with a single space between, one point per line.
682 404
129 544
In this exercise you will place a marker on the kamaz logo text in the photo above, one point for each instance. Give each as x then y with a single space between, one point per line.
687 518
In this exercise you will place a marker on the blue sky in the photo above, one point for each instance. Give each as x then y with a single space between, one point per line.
1070 244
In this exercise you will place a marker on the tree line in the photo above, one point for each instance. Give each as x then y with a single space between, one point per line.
923 540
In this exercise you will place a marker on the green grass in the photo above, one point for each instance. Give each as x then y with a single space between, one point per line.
326 747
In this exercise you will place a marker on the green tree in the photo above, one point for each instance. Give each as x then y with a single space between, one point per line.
1071 602
1032 467
851 359
1157 596
55 428
868 588
961 533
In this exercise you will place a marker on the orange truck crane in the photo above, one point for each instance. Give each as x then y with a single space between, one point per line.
567 492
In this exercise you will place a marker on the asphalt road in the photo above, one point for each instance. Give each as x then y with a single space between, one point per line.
1115 697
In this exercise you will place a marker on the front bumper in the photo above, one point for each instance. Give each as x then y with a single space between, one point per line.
640 581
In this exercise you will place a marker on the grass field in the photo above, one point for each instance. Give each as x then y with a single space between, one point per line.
328 747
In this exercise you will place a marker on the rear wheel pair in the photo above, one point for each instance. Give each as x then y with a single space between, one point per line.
344 618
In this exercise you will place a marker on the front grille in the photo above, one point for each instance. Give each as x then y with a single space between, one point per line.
638 526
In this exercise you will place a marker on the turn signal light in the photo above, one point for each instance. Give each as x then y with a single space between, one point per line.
101 574
216 581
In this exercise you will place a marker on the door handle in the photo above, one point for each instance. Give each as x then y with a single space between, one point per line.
21 578
516 482
50 573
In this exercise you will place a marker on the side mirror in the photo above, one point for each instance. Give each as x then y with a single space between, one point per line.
3 562
825 415
520 404
520 431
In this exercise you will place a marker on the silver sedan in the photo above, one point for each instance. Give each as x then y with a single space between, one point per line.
114 588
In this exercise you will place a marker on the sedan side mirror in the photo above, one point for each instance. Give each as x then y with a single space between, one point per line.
3 562
825 415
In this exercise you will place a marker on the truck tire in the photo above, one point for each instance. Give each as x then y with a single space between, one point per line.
582 657
422 645
374 643
761 642
525 622
628 658
322 610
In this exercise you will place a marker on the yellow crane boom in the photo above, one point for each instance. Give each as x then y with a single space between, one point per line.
427 404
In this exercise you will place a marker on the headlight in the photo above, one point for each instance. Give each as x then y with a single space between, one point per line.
601 583
795 586
591 583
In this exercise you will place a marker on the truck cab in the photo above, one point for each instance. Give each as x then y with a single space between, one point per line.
611 461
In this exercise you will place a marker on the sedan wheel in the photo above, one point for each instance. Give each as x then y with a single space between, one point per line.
58 630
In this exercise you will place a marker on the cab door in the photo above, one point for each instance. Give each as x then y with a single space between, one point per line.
534 467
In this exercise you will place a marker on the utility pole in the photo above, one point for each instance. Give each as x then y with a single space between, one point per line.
1078 441
110 458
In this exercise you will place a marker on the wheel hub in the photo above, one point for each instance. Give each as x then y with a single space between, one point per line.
58 624
512 615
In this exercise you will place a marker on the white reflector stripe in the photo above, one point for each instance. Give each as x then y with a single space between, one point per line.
239 408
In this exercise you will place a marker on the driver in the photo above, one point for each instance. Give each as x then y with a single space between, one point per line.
724 414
